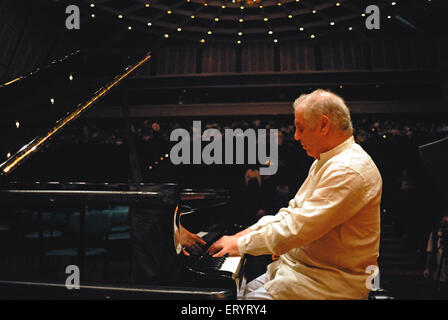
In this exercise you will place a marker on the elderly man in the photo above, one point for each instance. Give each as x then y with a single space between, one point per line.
327 239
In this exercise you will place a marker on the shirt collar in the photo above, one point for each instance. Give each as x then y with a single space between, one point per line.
339 148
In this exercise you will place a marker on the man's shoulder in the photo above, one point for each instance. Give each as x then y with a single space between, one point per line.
355 159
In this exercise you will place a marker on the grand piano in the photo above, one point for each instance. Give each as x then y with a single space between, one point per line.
70 200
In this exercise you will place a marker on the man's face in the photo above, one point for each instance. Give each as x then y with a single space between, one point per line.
310 138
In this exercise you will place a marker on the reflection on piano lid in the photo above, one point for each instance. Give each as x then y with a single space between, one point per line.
205 262
39 142
210 223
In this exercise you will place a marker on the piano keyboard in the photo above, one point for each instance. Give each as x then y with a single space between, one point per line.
225 263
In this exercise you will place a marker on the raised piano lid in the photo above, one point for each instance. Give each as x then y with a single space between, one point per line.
40 171
44 169
37 108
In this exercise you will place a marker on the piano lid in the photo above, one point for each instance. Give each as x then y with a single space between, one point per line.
39 106
52 131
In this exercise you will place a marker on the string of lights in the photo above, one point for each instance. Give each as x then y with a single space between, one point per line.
237 21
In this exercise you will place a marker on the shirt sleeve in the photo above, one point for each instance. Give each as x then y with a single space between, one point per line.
338 196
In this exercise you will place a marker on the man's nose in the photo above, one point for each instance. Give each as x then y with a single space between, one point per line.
297 135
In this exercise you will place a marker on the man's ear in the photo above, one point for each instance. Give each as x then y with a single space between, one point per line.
324 124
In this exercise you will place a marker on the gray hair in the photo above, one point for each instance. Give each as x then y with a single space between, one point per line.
324 102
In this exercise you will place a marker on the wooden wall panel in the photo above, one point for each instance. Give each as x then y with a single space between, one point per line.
406 53
257 58
427 53
342 54
378 54
176 59
403 53
218 58
297 56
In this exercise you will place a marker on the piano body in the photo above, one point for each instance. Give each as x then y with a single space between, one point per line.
56 214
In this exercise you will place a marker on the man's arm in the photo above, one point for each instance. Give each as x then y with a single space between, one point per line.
340 194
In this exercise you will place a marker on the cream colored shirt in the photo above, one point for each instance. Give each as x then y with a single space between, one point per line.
329 234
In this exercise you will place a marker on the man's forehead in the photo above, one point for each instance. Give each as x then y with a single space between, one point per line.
298 115
300 109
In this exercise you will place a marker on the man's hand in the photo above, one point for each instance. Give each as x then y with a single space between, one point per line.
190 241
227 245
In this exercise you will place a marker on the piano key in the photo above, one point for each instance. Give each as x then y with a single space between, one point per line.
202 234
231 264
